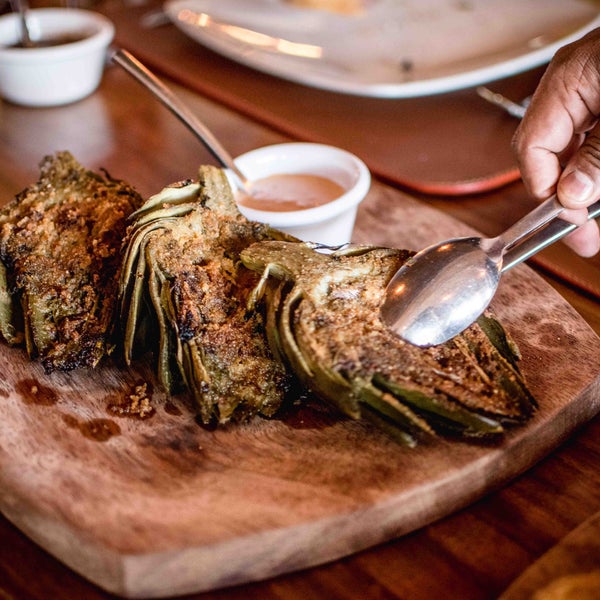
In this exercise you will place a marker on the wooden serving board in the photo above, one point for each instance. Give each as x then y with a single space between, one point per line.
162 506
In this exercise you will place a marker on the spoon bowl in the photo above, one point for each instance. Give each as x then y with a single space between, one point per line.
443 289
440 290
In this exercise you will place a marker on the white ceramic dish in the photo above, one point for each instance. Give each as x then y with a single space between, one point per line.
329 224
53 75
395 49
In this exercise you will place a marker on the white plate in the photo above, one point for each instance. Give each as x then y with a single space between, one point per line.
394 49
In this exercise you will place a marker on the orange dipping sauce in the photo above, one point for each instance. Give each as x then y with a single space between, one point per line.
288 192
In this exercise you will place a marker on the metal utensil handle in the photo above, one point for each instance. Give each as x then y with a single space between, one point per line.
539 217
134 67
512 108
554 231
22 7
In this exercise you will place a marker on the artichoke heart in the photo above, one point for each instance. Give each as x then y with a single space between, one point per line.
60 243
323 312
183 284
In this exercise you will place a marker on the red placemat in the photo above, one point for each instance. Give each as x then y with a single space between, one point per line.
453 143
583 273
446 144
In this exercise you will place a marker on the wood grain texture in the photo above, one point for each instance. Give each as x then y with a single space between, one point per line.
164 507
569 570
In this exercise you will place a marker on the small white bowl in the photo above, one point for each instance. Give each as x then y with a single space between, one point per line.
331 223
53 75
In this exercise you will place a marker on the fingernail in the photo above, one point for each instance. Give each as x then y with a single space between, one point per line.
576 187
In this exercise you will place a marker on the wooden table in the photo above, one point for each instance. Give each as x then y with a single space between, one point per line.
474 554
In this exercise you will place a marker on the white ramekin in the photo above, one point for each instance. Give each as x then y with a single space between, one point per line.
54 75
330 223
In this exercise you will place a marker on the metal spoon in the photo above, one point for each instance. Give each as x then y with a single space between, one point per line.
21 7
515 109
444 288
134 67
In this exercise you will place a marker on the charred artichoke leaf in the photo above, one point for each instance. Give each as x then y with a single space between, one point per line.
455 418
326 311
60 242
11 316
183 283
182 194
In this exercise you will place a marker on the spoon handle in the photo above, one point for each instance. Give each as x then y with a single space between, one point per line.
135 68
530 223
553 232
21 6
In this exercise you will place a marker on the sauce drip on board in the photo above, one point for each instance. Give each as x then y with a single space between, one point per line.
288 192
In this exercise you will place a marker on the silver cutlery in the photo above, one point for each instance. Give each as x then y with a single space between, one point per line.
444 288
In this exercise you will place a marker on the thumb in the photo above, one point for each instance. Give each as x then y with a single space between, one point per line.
579 183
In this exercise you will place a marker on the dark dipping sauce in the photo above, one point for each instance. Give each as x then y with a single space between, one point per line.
288 192
59 40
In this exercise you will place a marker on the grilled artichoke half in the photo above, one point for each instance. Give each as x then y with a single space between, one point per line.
182 283
60 245
322 313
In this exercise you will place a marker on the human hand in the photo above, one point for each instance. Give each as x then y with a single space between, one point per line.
557 143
